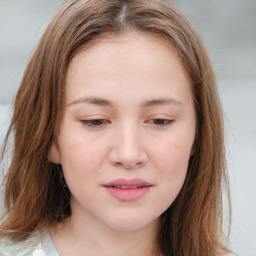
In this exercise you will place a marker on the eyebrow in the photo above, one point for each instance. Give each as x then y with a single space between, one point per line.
161 101
147 103
92 100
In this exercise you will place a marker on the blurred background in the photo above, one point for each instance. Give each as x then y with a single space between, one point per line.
228 29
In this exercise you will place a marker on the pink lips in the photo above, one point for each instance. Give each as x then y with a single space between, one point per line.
128 190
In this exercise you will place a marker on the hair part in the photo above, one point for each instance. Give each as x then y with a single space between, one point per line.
35 196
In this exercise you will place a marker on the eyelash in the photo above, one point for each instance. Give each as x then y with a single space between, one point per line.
161 122
91 121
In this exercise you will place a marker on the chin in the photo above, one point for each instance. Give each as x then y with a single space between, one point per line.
131 223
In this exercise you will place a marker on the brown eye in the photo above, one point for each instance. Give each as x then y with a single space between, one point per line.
95 122
161 122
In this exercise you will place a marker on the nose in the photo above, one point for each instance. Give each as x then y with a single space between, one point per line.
128 151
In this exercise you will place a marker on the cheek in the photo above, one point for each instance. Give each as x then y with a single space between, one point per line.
79 157
82 169
173 151
173 172
171 160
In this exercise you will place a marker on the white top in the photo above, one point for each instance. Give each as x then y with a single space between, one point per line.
37 244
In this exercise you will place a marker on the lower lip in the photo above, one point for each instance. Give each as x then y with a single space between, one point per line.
129 194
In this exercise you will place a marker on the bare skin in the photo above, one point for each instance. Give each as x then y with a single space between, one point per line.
129 115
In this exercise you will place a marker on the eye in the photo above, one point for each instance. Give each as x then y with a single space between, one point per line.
95 122
161 122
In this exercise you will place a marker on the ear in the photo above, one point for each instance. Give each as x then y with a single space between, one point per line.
54 153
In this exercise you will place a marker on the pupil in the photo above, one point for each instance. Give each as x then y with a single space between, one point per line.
159 121
97 122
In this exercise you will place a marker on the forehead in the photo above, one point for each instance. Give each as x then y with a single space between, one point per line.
133 45
132 60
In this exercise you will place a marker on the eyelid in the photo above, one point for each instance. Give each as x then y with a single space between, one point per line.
169 121
166 119
89 122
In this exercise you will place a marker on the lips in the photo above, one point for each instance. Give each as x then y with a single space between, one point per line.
124 182
127 190
127 187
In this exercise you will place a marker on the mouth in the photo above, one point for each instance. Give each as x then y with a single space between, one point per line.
128 187
127 190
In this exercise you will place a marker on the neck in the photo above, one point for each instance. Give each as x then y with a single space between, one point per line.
88 237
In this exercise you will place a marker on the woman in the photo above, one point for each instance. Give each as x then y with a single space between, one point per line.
118 138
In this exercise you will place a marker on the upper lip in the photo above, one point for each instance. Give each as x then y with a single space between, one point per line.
125 182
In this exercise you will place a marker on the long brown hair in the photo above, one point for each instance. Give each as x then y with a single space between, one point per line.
34 194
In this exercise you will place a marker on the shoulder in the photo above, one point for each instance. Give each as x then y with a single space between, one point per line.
37 244
9 247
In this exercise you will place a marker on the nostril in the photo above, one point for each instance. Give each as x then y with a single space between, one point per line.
129 166
127 157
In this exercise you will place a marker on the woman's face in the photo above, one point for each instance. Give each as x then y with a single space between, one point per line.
127 132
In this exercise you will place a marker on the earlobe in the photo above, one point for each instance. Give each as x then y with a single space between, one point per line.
54 153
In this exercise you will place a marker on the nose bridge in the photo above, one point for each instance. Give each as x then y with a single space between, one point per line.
128 139
128 147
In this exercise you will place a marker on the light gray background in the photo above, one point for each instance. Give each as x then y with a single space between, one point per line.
228 30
